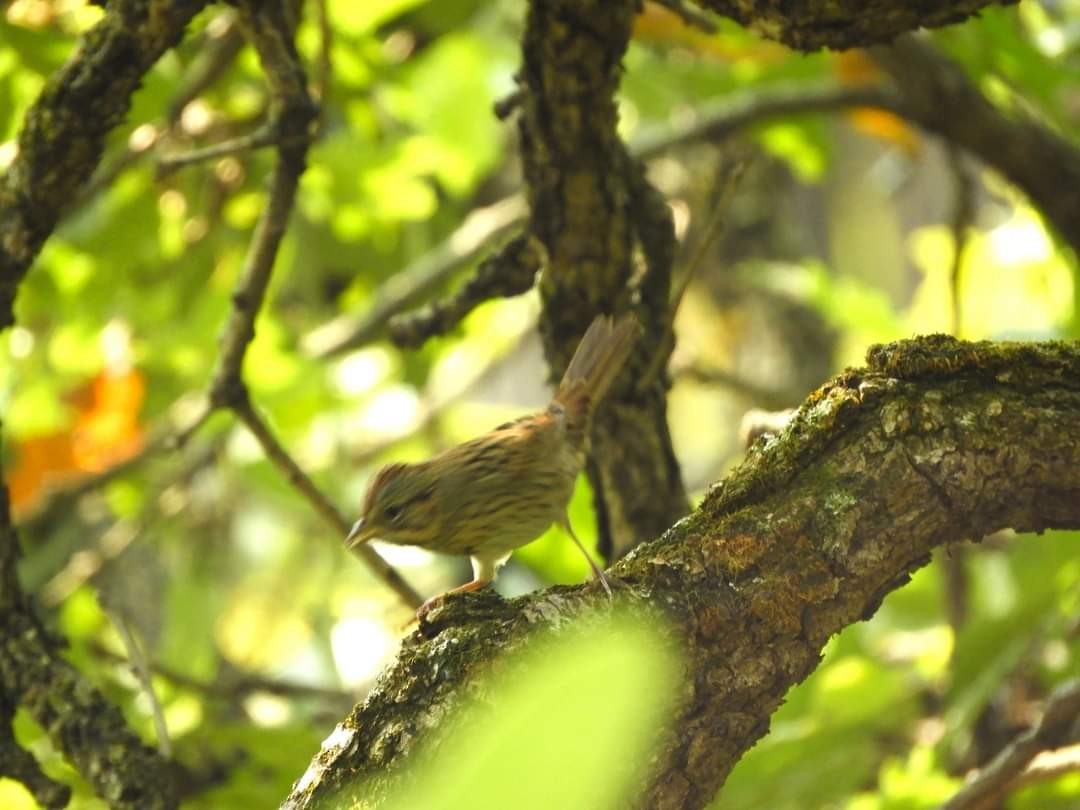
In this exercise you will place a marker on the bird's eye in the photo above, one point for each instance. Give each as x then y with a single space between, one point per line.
392 514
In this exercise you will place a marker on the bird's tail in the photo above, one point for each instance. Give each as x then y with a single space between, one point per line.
595 365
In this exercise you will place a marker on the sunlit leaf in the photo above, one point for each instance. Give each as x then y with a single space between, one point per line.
587 703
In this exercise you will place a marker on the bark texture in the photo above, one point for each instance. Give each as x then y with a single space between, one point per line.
78 719
807 25
592 209
935 440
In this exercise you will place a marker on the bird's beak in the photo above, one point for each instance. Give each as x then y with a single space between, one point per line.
357 534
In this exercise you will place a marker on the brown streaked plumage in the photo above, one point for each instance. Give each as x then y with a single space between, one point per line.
502 490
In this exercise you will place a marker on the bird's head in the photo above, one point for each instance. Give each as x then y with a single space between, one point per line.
399 507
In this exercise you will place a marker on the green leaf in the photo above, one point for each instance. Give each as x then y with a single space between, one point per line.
568 721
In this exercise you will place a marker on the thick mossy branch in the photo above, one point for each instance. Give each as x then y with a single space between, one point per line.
808 25
63 133
89 731
933 441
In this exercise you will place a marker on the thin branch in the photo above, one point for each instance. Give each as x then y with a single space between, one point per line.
693 17
963 215
509 272
268 134
935 93
412 284
324 67
731 170
296 477
505 106
713 122
142 672
1056 728
728 178
761 395
235 685
113 167
271 33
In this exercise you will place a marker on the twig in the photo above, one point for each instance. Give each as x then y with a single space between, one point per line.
324 67
509 272
962 216
730 173
505 106
281 459
107 173
266 135
234 685
411 285
992 783
272 37
956 584
142 672
738 111
689 15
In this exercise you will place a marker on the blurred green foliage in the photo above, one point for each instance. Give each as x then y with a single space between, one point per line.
227 574
616 677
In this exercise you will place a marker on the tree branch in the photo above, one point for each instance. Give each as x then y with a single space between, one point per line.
63 133
89 731
296 477
413 283
1058 725
935 93
808 25
509 272
935 439
271 32
593 210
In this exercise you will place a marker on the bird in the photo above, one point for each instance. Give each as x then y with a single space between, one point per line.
490 495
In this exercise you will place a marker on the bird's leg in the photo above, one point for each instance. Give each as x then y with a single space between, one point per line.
438 598
483 573
597 571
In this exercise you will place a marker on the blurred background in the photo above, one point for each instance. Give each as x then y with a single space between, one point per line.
259 630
